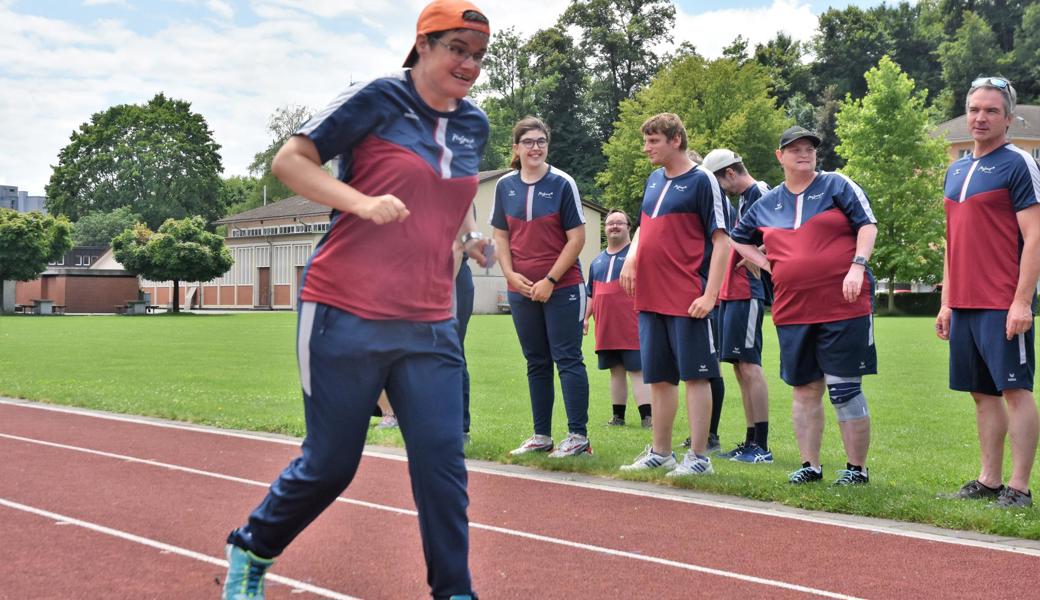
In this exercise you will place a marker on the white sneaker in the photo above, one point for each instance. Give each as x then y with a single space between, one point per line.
535 443
573 445
692 465
648 460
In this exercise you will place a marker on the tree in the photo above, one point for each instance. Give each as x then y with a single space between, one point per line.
180 251
98 228
1027 56
848 42
507 94
889 151
618 38
158 159
28 241
283 123
826 113
240 193
722 103
781 57
973 51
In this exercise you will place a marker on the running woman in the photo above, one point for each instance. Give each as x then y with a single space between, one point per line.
407 149
539 230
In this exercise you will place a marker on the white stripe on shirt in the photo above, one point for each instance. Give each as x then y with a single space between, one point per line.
441 136
1034 171
862 197
574 190
664 190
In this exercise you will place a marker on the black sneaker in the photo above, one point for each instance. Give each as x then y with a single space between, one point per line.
806 474
1012 498
685 443
852 477
973 490
741 447
713 444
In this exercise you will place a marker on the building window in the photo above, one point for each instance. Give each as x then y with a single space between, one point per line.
962 153
1036 153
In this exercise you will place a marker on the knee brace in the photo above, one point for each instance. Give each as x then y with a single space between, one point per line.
847 397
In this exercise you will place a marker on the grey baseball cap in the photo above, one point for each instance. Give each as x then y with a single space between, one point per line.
796 133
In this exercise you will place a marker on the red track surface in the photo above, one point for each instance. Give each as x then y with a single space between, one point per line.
183 490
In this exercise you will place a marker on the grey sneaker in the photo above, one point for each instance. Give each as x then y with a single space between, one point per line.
616 421
713 444
573 445
387 422
973 490
1012 498
647 422
535 443
852 477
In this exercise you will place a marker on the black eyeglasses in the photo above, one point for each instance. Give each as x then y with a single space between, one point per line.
459 54
531 143
997 82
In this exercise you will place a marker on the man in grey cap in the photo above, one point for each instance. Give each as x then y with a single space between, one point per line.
744 294
820 231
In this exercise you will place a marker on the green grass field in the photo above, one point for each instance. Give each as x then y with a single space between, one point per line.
239 371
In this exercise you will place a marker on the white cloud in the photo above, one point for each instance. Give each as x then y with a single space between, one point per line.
712 31
222 8
104 2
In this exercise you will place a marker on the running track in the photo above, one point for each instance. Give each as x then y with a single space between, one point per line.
94 505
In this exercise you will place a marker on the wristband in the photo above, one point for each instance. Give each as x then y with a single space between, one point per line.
859 260
552 279
470 236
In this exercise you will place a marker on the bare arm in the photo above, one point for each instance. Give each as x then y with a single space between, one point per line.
542 289
298 166
853 284
1020 313
942 321
505 261
588 313
752 255
702 306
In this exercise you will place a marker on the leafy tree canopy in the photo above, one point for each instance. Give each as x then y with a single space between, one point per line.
180 251
28 241
98 228
158 159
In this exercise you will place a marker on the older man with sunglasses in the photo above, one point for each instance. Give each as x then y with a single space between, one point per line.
989 291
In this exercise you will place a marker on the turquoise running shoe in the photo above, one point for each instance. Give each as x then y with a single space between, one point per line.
245 576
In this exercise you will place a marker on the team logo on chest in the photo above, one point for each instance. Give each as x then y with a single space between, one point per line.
986 169
462 140
680 188
512 193
410 114
545 194
815 196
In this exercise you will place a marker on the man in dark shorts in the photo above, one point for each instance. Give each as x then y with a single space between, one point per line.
617 327
989 291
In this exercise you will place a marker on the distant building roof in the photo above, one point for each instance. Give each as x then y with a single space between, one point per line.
1026 125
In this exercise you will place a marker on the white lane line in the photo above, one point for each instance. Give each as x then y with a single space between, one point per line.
501 530
814 518
60 519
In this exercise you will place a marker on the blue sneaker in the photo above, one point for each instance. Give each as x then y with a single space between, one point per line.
245 576
753 453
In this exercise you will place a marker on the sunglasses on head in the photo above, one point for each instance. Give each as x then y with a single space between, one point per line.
997 82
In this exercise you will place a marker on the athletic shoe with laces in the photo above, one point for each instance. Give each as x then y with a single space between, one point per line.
685 443
753 453
729 455
387 422
692 465
974 490
245 576
1012 498
535 443
852 477
649 460
713 444
616 421
805 475
573 445
647 422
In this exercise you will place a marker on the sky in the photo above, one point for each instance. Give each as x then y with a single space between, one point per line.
236 61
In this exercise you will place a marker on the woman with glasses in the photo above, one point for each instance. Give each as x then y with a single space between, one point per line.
376 298
539 230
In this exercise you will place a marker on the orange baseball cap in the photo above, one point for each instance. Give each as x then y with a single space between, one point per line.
445 15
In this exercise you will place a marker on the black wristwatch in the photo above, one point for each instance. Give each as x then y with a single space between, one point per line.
860 260
552 279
